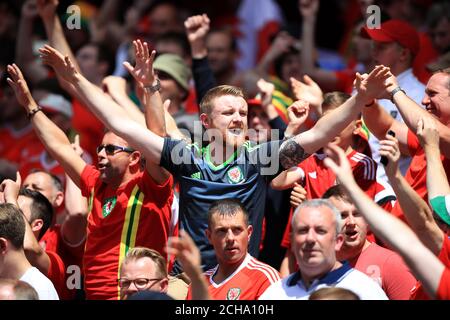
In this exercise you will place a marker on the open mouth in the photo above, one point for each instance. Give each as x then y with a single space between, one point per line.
235 131
351 234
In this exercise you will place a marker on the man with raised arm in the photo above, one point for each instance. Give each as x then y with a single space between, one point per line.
229 166
433 274
128 202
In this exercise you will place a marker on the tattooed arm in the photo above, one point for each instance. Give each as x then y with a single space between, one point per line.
291 153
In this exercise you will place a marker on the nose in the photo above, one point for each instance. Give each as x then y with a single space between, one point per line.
229 236
132 288
311 236
426 100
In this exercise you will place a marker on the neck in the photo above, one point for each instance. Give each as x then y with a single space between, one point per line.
15 265
351 256
220 153
225 270
310 278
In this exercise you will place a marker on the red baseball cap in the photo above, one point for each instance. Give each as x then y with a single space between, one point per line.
395 31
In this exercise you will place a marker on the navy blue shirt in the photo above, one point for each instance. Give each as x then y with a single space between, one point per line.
244 176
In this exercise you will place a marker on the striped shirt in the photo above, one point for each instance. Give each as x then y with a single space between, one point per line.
137 213
248 282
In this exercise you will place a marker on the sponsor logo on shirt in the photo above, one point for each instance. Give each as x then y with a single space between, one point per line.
235 175
108 206
233 294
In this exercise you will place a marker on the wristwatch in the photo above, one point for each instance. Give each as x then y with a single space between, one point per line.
395 91
154 87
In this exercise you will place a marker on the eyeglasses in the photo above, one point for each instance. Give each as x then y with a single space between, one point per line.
139 283
111 148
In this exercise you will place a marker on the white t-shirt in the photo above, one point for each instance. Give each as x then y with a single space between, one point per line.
292 287
43 286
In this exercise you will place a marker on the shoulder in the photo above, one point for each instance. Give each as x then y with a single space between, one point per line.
264 270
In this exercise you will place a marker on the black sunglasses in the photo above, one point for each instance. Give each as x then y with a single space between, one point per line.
111 148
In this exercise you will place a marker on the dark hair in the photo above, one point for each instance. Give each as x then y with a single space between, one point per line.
436 12
278 63
179 38
332 100
41 208
336 191
229 33
12 226
55 180
227 207
103 55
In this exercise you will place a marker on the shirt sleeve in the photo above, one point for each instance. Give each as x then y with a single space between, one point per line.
413 143
444 286
176 154
398 280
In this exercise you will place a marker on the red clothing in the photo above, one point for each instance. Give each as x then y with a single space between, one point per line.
90 129
248 282
418 293
416 175
388 269
135 214
443 292
317 179
12 141
57 275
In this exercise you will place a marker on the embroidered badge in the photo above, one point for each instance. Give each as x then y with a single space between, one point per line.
235 175
233 294
108 206
196 175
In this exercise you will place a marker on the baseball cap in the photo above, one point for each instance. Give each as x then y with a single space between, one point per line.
175 67
443 62
56 103
395 31
441 206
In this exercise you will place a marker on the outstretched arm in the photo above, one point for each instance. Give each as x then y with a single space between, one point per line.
296 149
53 138
411 112
425 265
109 112
416 210
437 180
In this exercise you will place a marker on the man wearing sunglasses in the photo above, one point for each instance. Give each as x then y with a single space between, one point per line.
130 200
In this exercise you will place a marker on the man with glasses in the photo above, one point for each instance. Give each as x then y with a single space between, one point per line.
130 201
142 269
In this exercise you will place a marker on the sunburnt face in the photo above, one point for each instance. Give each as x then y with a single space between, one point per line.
229 235
228 120
437 97
314 240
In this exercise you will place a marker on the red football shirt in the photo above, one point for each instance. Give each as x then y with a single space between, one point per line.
248 282
317 179
135 214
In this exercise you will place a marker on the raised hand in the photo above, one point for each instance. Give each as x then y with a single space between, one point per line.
10 189
373 85
20 87
338 163
143 71
298 112
266 89
29 10
308 8
197 27
62 65
389 148
47 8
308 91
298 195
427 132
185 250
